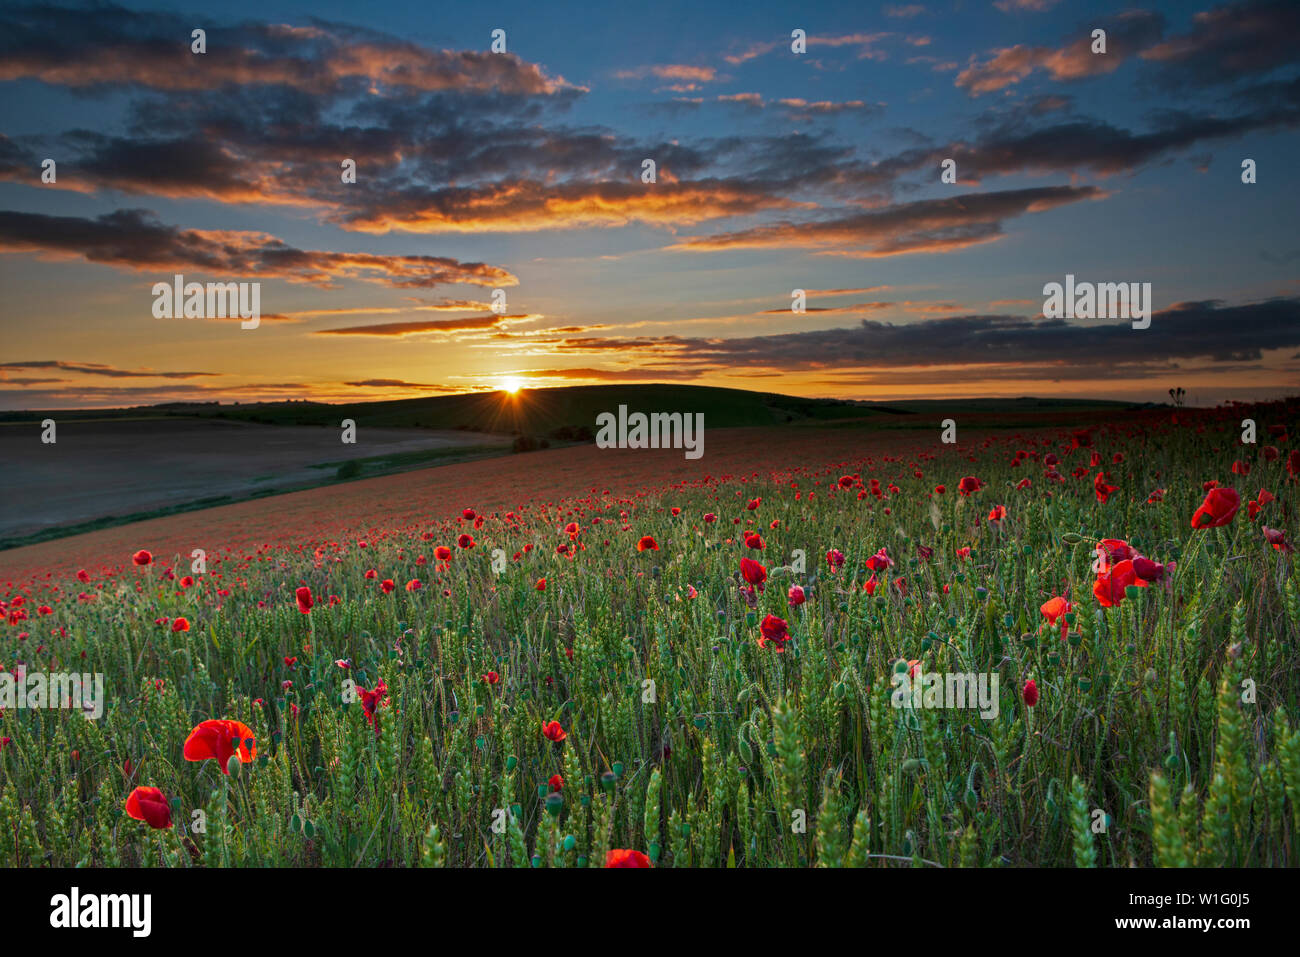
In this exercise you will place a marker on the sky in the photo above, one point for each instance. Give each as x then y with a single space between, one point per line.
517 179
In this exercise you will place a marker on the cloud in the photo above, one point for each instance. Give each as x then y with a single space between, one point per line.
931 225
671 71
133 239
993 345
97 369
1229 42
110 46
429 326
1126 34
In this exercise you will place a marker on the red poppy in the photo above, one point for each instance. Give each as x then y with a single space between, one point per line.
647 543
795 596
180 624
371 700
413 585
442 553
753 572
774 630
619 857
880 561
1148 570
969 484
834 558
1055 609
220 739
1219 507
556 783
1110 584
1030 693
754 540
553 731
541 584
387 585
142 557
465 540
1102 487
149 805
1115 550
303 594
491 678
998 513
1277 538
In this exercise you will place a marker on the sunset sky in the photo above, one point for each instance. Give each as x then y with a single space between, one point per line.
522 171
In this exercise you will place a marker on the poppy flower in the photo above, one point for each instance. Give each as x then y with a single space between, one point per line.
465 540
1277 538
371 700
180 624
1110 584
149 805
620 857
940 489
1030 693
1055 609
1115 550
413 585
647 544
1102 487
303 594
710 518
969 484
1148 570
754 540
142 557
795 596
880 561
556 783
541 584
220 739
753 572
835 558
491 678
442 553
774 630
1219 507
553 731
998 513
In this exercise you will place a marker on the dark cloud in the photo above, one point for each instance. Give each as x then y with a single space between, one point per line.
930 225
106 45
133 239
1229 42
1019 346
95 368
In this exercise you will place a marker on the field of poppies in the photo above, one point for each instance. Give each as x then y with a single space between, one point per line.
705 674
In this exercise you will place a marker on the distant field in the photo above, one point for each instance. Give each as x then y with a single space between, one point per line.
100 471
116 466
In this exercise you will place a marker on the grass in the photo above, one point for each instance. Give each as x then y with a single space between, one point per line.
1163 732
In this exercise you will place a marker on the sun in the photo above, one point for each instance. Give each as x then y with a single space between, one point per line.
511 386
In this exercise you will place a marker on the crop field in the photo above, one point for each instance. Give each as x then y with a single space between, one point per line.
1055 647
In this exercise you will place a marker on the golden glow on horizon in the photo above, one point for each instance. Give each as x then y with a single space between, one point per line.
511 386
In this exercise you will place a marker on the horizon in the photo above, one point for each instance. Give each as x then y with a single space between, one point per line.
500 232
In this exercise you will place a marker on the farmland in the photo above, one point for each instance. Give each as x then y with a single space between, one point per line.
582 656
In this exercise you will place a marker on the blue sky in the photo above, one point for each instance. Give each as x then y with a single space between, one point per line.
777 171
